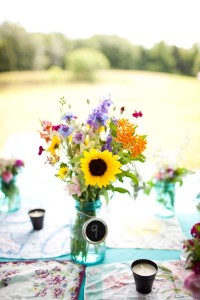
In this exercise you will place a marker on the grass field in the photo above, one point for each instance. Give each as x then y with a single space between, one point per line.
170 106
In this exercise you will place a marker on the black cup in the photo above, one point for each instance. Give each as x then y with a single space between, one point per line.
37 218
143 281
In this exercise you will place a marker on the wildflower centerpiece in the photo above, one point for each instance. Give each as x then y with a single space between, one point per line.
192 248
10 194
90 157
164 183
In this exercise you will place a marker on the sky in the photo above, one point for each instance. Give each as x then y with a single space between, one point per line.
143 22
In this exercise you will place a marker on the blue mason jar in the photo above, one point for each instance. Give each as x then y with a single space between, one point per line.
82 251
164 198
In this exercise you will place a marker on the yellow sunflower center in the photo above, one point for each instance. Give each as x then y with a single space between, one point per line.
97 167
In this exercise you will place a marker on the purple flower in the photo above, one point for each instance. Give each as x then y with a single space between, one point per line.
65 130
58 292
107 145
99 115
78 138
68 116
56 280
42 273
43 292
105 105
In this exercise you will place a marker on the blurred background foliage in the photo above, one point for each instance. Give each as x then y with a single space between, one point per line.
83 62
21 50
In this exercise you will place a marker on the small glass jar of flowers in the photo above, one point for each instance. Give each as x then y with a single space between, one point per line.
10 195
192 248
91 157
164 182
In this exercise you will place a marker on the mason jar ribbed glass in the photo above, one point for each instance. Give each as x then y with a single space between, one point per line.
82 251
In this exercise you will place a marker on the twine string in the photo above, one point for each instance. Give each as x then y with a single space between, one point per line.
81 213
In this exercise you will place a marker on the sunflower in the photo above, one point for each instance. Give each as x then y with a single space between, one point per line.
99 168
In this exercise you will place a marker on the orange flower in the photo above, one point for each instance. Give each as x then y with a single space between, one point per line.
131 141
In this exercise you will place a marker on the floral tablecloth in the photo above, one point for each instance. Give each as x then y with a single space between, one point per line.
115 281
40 279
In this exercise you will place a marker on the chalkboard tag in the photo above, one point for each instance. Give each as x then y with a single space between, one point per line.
95 230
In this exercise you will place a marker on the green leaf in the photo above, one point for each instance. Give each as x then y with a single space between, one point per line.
130 175
76 159
148 188
121 190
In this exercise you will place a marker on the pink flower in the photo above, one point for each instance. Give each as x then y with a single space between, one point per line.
46 125
7 176
192 283
159 176
170 172
19 163
74 187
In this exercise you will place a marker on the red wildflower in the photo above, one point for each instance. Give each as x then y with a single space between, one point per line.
195 231
137 114
56 127
41 149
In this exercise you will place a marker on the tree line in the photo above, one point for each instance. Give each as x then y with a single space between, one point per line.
21 50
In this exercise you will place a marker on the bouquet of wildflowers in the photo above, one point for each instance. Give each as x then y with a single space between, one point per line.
166 174
9 169
169 174
192 247
91 156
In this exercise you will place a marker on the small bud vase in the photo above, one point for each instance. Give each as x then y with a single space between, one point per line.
164 198
82 251
9 196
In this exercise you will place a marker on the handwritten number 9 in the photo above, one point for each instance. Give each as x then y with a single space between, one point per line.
94 229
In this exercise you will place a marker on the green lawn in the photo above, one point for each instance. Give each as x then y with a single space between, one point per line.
170 105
